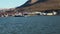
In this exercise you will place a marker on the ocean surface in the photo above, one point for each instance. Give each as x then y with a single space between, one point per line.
30 25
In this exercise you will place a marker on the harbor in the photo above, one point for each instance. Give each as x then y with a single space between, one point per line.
32 17
26 13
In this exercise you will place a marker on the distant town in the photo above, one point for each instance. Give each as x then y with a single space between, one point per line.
17 13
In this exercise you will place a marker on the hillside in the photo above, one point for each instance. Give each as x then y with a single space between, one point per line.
40 5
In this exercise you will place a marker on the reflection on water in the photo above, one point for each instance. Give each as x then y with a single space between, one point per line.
30 25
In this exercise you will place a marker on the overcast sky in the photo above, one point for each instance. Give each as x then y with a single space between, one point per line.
11 3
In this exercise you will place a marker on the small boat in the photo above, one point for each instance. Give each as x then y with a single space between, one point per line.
18 16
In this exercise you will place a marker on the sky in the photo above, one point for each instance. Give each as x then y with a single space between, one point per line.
11 3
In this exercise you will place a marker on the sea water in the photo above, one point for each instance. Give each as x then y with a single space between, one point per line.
30 25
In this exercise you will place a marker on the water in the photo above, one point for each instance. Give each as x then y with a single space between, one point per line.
30 25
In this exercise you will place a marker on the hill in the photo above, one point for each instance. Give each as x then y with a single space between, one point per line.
40 5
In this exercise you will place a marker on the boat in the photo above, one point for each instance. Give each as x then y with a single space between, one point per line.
18 16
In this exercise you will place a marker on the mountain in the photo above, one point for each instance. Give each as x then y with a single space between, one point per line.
45 6
39 5
30 3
